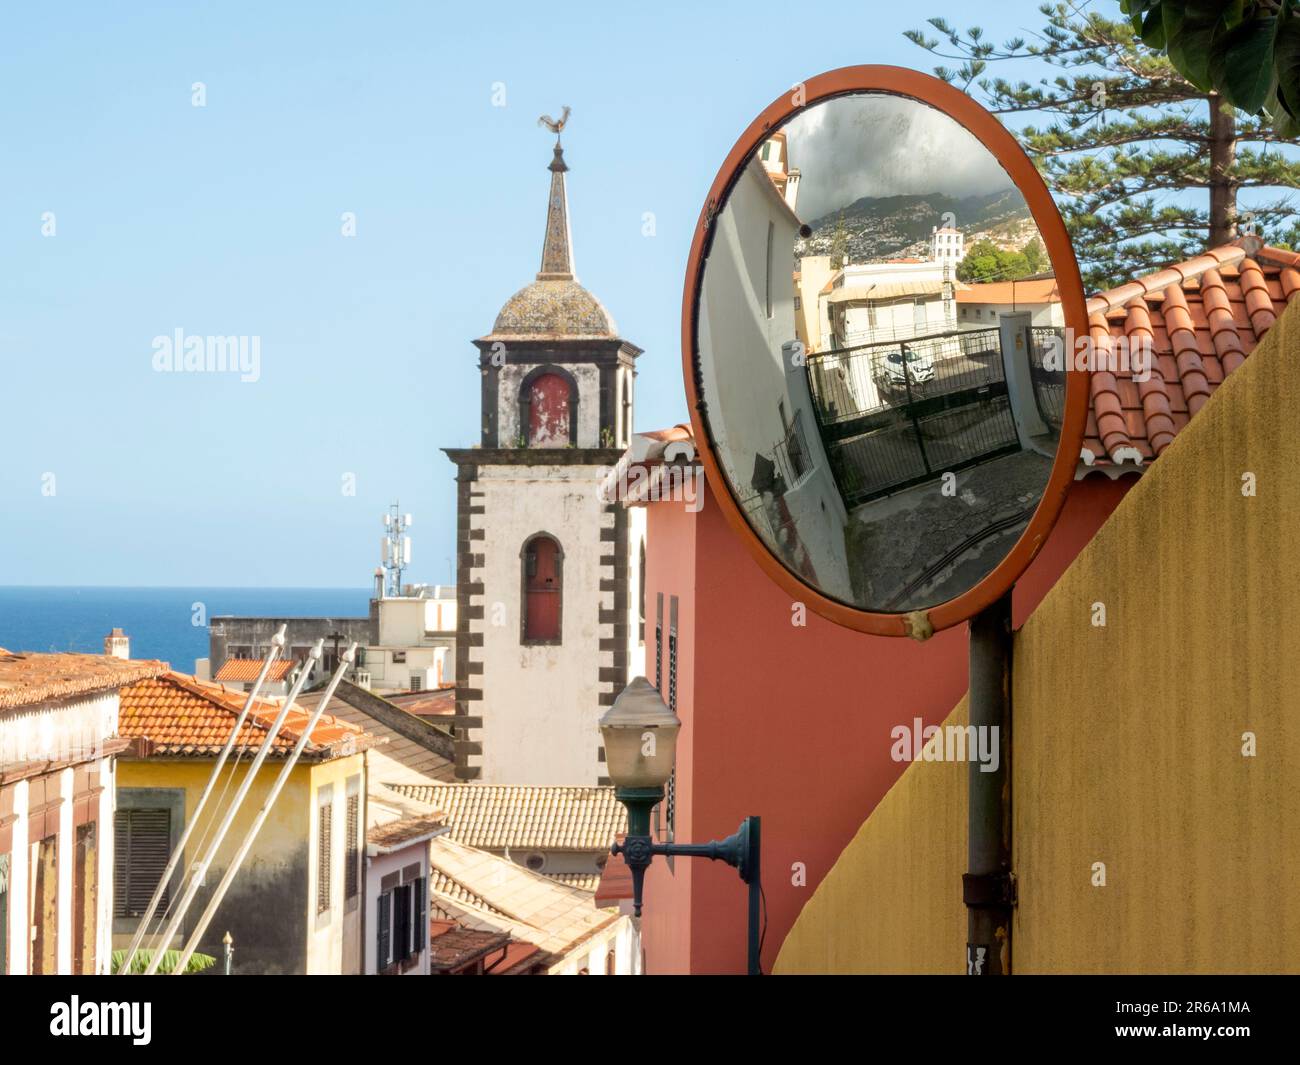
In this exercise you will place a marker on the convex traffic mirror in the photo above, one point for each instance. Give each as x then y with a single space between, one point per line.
877 304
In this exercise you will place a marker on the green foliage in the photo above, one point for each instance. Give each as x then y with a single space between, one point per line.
985 262
1036 256
1143 156
1247 52
839 244
197 963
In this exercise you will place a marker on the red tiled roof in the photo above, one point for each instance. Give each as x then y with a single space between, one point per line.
1203 318
519 956
433 702
247 669
615 881
180 716
452 947
394 835
1037 290
27 679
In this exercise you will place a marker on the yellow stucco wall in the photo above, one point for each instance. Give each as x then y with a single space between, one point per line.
279 868
333 938
285 826
1128 737
886 904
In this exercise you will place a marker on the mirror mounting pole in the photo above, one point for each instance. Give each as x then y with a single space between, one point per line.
989 886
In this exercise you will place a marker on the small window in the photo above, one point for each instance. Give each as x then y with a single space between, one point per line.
542 590
401 924
536 862
549 419
399 658
141 848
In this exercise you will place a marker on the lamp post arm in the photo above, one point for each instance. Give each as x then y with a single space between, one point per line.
729 850
740 850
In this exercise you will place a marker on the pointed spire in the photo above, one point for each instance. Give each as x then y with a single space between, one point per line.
557 249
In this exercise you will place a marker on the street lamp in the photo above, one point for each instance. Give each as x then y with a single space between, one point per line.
640 734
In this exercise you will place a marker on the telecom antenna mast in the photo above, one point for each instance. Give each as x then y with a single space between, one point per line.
395 550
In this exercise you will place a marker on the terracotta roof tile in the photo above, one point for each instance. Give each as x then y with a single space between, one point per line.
1202 319
615 884
182 717
451 946
432 702
1038 290
241 670
581 881
393 835
480 890
497 816
27 679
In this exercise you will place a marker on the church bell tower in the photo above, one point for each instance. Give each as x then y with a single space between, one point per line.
547 626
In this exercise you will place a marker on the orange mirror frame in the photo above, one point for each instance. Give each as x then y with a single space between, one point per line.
1002 144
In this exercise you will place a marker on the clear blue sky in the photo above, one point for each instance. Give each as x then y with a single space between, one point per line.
226 220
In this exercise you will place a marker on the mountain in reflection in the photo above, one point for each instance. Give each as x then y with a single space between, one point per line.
887 227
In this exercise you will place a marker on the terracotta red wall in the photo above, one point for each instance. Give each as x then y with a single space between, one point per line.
790 723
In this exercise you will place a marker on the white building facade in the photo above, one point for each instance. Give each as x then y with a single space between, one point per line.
416 646
58 739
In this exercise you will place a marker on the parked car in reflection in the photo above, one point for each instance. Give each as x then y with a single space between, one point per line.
902 366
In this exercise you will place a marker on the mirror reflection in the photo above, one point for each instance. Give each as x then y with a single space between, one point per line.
874 314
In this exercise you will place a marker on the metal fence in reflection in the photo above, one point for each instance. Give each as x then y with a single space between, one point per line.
775 473
851 382
1049 384
898 413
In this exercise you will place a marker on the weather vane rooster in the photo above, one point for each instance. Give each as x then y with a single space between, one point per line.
555 126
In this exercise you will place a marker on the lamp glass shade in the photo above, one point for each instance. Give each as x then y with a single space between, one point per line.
640 734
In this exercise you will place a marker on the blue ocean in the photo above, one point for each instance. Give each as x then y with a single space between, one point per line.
164 623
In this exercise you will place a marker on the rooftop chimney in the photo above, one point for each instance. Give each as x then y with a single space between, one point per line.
117 644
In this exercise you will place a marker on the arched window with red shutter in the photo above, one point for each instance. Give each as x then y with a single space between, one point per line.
543 589
549 405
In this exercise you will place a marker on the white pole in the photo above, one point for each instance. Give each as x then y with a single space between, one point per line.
247 842
200 871
277 645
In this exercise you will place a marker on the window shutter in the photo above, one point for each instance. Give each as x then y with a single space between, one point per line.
401 921
351 876
543 590
659 642
421 914
143 845
325 813
670 796
383 931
